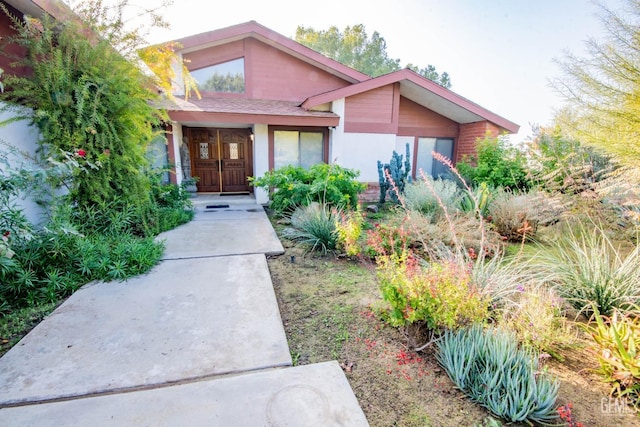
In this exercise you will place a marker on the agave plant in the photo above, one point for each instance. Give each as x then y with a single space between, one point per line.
488 366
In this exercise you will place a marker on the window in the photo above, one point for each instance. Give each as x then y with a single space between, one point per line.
226 77
425 160
297 148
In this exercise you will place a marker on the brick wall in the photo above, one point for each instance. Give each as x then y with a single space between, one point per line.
469 134
371 194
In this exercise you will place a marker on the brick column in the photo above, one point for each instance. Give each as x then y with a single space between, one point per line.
470 133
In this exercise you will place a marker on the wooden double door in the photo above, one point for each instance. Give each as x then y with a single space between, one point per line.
221 159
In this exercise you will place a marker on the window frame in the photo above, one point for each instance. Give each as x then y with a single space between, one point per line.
416 150
244 77
323 130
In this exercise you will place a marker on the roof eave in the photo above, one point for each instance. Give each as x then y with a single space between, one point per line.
427 93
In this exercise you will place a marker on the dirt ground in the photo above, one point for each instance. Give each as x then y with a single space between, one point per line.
325 305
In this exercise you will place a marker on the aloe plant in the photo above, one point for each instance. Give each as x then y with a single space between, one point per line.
618 341
488 366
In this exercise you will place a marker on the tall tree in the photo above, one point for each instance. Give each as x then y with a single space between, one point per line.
354 48
603 87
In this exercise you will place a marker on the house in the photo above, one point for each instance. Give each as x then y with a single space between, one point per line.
268 101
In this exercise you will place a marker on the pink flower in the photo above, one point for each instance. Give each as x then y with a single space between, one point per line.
81 153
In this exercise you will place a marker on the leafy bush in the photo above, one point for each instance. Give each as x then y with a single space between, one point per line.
294 186
103 241
496 164
314 226
588 270
86 98
488 366
441 294
431 196
57 260
387 239
349 229
617 340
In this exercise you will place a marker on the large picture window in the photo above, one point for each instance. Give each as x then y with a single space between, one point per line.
226 77
425 160
297 148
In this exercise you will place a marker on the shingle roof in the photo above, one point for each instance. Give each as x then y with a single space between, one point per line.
242 106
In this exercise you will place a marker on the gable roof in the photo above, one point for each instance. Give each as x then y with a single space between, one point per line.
273 39
423 92
412 85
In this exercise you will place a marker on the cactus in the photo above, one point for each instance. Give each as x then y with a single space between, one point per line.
399 171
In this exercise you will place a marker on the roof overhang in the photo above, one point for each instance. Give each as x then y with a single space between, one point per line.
423 92
245 111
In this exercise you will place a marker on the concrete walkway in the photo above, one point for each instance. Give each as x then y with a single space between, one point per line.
196 341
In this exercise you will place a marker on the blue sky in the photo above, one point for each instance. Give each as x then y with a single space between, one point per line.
499 53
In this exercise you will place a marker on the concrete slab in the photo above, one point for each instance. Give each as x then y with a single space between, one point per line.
237 230
185 319
309 396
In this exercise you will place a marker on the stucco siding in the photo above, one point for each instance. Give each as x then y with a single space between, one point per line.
260 159
361 151
23 138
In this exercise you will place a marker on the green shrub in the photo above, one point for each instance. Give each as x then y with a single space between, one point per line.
488 366
349 228
291 186
440 295
87 99
314 226
587 270
387 239
496 164
431 196
617 340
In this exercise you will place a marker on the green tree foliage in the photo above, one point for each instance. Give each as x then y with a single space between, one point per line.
87 99
603 87
354 48
233 83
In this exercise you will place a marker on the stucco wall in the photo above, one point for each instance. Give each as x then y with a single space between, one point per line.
362 151
24 138
260 158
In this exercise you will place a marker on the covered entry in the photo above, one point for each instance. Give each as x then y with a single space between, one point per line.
221 159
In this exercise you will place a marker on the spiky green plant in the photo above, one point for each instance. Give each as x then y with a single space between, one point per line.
488 366
314 226
587 269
